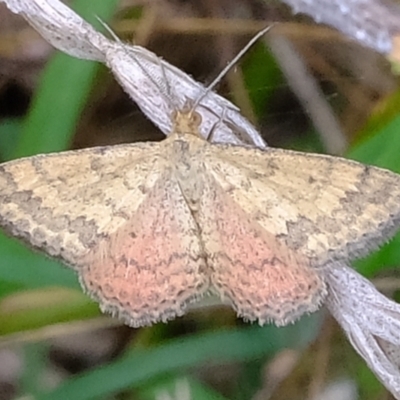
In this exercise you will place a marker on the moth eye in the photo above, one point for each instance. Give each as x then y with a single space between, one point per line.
196 117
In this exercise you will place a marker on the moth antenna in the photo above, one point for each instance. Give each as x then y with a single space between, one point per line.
231 64
215 125
167 96
108 29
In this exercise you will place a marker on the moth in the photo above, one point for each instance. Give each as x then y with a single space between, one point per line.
152 227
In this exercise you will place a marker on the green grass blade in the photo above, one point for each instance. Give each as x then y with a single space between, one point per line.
212 348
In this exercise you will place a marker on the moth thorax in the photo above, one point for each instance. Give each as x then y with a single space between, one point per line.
190 178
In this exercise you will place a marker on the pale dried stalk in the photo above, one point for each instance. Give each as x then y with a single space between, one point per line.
370 320
156 86
372 23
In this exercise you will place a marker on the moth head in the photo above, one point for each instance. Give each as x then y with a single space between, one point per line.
187 120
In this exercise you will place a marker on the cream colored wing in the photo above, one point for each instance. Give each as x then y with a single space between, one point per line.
269 218
117 218
259 275
63 203
322 207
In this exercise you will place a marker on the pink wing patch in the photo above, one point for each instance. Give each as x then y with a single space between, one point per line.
251 268
153 266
